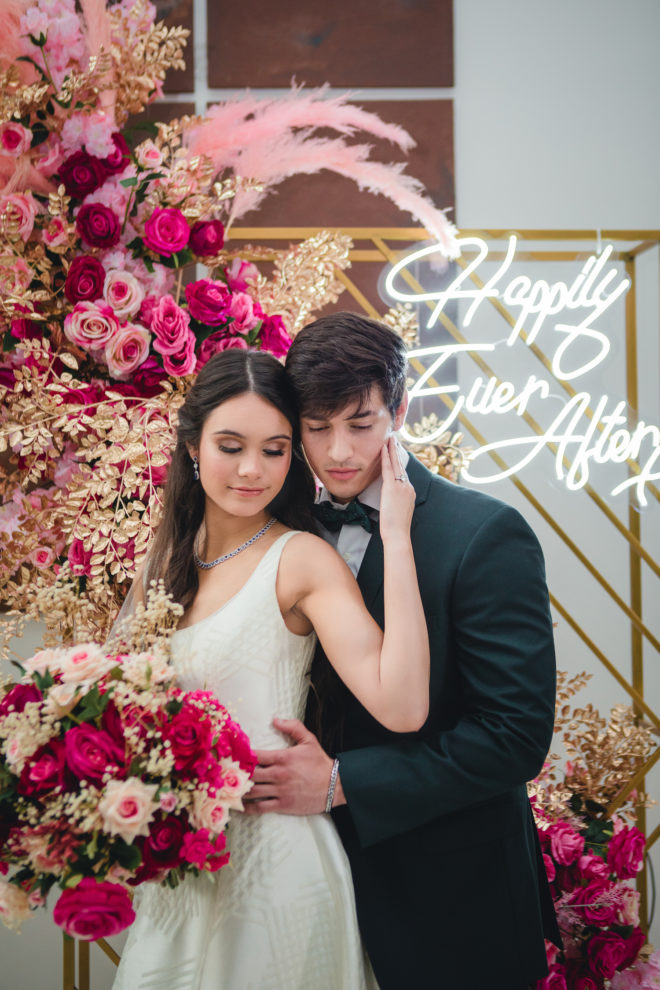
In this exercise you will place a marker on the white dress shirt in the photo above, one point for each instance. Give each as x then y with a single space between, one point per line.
351 541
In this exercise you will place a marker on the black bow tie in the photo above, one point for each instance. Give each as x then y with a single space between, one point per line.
333 519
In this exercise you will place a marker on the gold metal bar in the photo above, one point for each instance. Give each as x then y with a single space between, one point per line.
109 951
357 295
633 783
653 837
83 965
68 963
634 524
616 674
641 248
300 233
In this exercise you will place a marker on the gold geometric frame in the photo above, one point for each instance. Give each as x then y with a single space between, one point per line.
384 246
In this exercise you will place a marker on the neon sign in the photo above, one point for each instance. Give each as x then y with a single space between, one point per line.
587 431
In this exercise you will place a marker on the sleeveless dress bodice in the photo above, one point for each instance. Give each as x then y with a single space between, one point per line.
281 914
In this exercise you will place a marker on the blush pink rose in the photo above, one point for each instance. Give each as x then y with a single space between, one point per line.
208 301
628 906
51 158
204 853
127 350
168 802
566 844
148 155
15 139
127 807
56 233
94 910
170 326
21 209
166 231
235 783
14 905
84 662
184 362
625 853
42 557
243 313
91 326
62 699
208 812
123 292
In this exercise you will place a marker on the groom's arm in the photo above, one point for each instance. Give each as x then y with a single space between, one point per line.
503 643
502 638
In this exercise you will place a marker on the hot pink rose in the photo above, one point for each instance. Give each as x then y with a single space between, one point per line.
584 981
220 341
203 853
606 952
15 139
98 225
189 735
550 870
166 231
241 274
123 292
79 559
632 945
555 980
208 301
18 697
44 771
118 159
593 867
274 337
595 903
20 209
241 750
243 312
184 362
170 326
84 280
90 753
625 853
127 350
566 844
91 326
207 238
94 910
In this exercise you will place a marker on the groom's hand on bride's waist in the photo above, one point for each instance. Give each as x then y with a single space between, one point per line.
292 781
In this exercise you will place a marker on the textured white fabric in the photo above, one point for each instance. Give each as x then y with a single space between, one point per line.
281 914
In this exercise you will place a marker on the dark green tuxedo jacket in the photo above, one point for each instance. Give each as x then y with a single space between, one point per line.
448 876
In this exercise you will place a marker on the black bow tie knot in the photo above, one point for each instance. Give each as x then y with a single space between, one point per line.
333 519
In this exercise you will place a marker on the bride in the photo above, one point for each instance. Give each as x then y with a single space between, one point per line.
236 548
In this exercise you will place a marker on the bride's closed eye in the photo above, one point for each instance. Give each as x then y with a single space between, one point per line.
237 450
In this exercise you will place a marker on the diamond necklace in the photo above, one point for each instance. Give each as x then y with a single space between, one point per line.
226 556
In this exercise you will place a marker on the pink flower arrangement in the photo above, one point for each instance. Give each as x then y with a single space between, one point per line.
588 862
112 776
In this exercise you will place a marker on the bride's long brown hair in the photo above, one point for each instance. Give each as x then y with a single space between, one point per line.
228 374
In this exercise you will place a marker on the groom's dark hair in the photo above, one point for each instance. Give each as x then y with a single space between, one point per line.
336 360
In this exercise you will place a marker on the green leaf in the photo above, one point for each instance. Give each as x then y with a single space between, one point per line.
174 706
149 265
8 342
40 41
43 681
132 181
93 704
40 133
73 880
128 856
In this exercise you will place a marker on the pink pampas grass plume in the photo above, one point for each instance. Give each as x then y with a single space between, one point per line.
272 139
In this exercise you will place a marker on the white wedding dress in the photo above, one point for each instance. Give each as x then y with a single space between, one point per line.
281 914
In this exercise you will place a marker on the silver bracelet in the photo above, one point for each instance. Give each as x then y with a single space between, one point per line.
331 786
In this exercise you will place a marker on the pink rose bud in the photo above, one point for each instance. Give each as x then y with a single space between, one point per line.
15 139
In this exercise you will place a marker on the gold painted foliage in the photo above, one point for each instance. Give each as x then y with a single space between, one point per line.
603 755
305 278
445 456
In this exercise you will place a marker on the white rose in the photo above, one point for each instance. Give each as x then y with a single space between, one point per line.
209 812
123 292
85 662
236 783
14 905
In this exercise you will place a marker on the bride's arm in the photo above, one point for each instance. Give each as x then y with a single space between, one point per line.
388 674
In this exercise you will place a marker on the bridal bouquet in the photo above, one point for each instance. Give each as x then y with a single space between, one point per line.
110 776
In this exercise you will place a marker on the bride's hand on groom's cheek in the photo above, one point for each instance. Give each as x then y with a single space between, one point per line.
292 781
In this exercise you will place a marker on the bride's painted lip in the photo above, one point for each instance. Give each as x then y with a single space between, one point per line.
249 492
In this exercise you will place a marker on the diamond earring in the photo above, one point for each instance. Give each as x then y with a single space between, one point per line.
195 467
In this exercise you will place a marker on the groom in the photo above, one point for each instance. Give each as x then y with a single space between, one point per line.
448 876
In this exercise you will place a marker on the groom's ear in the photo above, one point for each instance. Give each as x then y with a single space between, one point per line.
400 414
